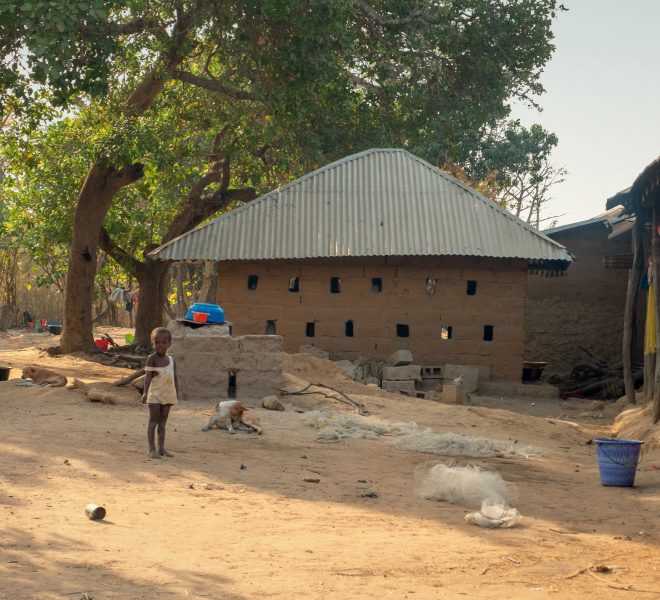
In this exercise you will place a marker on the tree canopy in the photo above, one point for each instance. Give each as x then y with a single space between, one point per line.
176 109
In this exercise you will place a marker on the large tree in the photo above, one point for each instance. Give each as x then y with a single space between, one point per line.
416 73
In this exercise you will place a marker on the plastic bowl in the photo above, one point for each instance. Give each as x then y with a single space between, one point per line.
216 314
200 317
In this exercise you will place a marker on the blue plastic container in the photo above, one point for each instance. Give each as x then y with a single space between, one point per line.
215 313
617 461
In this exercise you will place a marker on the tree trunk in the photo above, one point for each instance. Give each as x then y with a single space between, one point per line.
96 195
151 276
181 303
207 281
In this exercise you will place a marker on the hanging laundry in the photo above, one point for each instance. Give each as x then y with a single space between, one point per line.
135 297
116 295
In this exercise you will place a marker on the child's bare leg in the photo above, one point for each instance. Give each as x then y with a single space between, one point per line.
164 413
154 417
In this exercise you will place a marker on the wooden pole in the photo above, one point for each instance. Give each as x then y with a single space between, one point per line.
630 316
656 272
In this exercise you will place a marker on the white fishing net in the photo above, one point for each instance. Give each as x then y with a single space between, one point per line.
472 486
333 427
457 444
464 484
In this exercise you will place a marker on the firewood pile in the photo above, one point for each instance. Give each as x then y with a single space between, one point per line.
595 379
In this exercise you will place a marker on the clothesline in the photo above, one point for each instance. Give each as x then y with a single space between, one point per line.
125 298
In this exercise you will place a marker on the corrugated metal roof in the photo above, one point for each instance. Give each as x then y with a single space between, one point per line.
381 202
610 216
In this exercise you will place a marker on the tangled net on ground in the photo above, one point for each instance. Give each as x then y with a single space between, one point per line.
333 427
457 444
472 486
464 484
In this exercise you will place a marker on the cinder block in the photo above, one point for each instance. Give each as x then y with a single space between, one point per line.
469 373
398 386
454 394
403 373
399 358
432 372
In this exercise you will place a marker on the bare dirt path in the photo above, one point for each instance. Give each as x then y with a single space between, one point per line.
232 517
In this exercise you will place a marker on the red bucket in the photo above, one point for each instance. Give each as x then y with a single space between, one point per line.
102 344
200 317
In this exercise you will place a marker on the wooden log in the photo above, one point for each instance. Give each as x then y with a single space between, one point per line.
139 385
129 378
76 384
96 395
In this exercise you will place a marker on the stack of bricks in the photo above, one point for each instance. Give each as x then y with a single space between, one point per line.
400 375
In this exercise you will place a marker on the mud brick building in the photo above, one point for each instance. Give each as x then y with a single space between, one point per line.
583 309
377 252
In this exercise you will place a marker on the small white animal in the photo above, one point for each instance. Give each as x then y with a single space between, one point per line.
230 412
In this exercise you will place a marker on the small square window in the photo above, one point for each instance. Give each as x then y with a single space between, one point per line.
271 328
402 330
376 285
430 286
252 282
488 333
335 285
446 332
294 284
309 329
348 328
471 289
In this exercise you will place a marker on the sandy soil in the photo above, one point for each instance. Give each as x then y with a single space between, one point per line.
232 517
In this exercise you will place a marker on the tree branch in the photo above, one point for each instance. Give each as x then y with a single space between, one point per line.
212 85
121 256
373 14
196 210
145 93
126 175
142 24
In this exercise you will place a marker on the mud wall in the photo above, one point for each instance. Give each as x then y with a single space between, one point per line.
380 305
585 308
206 357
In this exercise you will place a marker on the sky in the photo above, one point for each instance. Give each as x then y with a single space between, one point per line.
602 100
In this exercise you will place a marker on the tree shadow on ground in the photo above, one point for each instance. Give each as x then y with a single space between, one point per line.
29 570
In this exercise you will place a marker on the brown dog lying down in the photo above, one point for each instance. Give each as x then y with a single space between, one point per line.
44 376
231 412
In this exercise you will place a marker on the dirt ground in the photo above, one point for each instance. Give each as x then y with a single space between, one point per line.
231 516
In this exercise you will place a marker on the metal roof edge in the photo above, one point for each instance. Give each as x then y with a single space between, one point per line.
560 228
486 201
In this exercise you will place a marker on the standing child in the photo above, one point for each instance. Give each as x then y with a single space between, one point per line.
160 389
